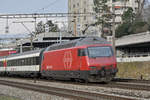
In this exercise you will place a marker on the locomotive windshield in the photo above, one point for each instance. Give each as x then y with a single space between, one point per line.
100 52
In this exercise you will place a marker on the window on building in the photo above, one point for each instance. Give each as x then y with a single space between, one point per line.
74 6
84 17
84 10
78 19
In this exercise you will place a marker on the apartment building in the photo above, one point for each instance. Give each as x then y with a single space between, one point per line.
77 24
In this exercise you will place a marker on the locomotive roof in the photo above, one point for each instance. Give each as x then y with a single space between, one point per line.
78 42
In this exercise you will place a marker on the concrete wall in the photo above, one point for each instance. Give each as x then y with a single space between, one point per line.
134 70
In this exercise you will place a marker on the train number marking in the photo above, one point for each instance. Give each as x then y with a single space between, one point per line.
67 60
49 67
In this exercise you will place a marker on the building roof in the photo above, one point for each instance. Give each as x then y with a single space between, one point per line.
133 39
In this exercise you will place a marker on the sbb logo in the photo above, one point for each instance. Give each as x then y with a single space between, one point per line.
67 60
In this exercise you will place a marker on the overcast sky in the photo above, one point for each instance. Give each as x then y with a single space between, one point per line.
29 6
32 6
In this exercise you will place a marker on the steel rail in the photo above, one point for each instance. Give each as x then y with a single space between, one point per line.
67 93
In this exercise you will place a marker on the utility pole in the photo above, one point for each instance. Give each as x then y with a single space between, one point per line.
60 31
7 27
60 34
31 33
21 46
125 5
75 26
113 29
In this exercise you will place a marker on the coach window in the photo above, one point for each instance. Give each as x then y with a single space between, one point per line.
34 60
37 60
15 62
1 63
11 62
19 62
7 63
25 61
29 61
32 63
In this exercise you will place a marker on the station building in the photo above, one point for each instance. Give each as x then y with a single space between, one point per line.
43 40
134 47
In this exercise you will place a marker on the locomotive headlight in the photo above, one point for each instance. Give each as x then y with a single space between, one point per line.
93 67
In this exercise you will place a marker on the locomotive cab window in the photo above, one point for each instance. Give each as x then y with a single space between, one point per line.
94 52
82 52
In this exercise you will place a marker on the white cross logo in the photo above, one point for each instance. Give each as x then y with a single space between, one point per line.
68 60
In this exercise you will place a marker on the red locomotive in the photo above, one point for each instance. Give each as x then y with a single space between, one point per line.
90 59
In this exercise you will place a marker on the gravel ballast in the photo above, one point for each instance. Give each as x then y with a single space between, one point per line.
26 94
141 95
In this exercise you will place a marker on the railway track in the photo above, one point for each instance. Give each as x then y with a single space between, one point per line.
130 86
141 85
134 85
131 80
73 94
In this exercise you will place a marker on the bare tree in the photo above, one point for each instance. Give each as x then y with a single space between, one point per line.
141 4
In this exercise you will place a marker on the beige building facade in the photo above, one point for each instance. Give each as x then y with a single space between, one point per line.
77 24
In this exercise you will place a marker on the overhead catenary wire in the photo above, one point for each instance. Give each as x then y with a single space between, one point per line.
46 15
47 6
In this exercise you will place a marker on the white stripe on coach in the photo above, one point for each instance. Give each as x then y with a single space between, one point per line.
23 68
